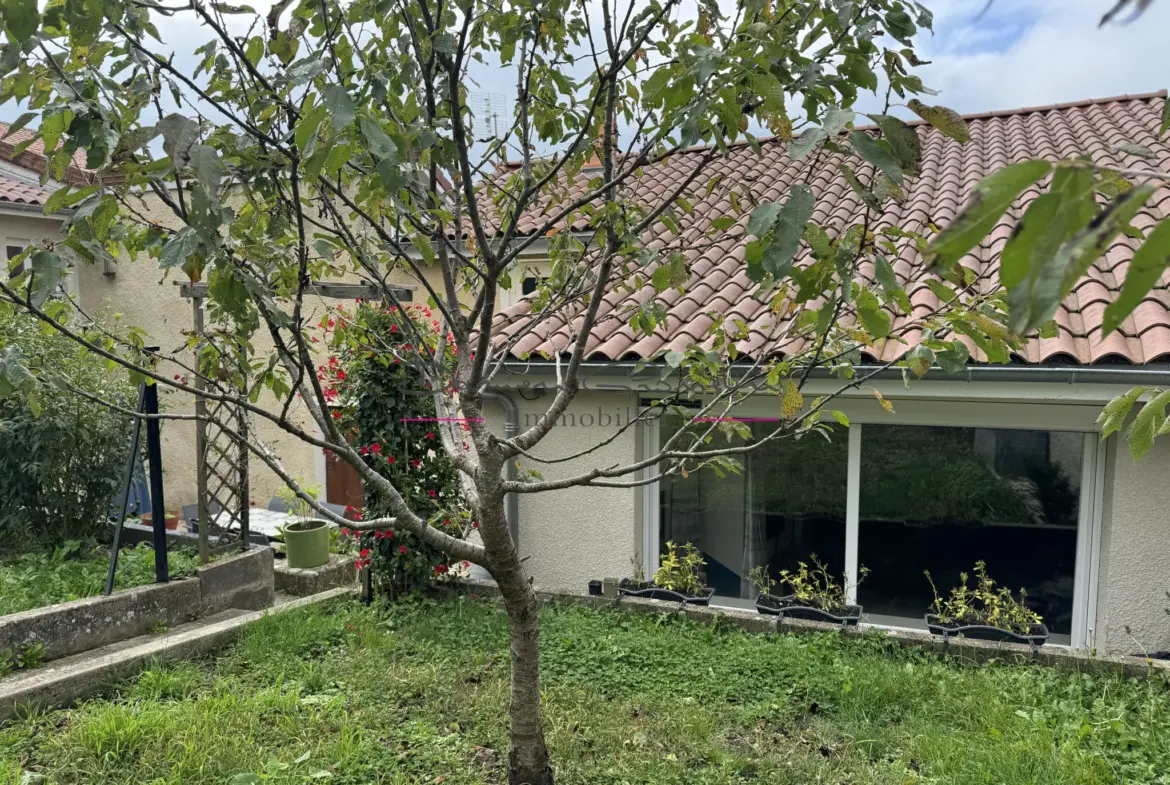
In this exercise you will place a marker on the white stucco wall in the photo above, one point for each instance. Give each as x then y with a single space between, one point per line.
574 535
1135 551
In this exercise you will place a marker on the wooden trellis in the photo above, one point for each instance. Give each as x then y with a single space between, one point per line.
222 430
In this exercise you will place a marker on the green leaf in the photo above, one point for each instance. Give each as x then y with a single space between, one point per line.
903 141
877 153
1113 415
308 125
205 163
867 196
873 317
13 374
85 20
763 218
48 269
918 360
1145 270
1112 185
788 229
990 199
674 359
884 188
953 359
1082 250
1147 424
804 144
836 119
1028 263
178 133
893 290
340 105
20 122
22 19
179 248
946 120
1133 148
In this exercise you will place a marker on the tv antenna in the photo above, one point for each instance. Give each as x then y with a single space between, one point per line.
489 113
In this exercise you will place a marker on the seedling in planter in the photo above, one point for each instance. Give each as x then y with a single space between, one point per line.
984 604
811 587
298 507
680 569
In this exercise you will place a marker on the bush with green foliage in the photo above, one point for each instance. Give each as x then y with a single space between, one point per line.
390 411
59 484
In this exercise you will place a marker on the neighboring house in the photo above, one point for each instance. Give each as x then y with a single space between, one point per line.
999 463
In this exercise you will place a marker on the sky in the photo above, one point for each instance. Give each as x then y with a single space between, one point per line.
1035 52
1015 53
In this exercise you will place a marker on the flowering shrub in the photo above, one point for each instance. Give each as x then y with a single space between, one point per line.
380 398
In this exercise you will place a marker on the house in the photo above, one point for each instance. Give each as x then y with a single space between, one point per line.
1000 463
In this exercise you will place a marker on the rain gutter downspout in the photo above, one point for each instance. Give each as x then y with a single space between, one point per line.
511 428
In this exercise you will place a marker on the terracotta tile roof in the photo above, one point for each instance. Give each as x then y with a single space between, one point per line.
719 283
33 157
21 191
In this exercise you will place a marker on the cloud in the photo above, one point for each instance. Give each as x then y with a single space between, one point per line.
1051 51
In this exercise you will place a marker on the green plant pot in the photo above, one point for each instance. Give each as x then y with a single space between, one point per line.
306 543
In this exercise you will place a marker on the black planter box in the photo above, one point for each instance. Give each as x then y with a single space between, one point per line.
1036 636
655 593
787 607
595 588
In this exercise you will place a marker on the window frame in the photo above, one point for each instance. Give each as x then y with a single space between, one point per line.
1005 415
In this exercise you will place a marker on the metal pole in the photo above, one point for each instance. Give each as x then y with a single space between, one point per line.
157 506
201 444
126 491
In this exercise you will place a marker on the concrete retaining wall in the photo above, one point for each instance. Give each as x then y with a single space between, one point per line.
243 581
972 650
338 571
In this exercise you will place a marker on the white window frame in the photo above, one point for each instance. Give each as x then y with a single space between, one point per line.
974 412
22 242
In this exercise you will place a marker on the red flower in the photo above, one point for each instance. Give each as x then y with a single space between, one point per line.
357 516
313 338
466 564
393 328
415 463
364 450
430 435
390 458
336 415
377 448
432 494
390 535
178 376
345 532
475 524
364 553
402 550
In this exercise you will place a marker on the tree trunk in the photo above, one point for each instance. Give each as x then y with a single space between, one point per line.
527 754
528 762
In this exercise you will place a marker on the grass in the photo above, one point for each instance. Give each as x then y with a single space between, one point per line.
73 571
418 694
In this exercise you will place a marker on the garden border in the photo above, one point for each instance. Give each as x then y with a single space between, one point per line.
750 621
244 581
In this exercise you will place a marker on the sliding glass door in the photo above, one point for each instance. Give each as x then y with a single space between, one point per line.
899 500
939 499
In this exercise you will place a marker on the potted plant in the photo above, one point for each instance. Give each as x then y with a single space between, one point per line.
170 519
815 595
679 578
984 612
306 539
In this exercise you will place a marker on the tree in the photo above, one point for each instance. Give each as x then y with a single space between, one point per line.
326 139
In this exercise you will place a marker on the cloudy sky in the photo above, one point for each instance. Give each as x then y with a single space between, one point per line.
1032 52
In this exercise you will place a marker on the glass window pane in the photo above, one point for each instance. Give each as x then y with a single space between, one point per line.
786 505
940 499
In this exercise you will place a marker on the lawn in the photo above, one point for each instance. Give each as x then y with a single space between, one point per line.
417 694
33 580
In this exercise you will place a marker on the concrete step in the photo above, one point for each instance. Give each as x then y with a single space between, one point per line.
66 680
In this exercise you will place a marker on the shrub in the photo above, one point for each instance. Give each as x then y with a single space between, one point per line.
386 406
983 604
59 484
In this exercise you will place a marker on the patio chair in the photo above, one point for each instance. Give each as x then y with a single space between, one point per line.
191 515
277 504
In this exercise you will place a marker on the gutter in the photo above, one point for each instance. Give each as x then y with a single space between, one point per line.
511 428
652 372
